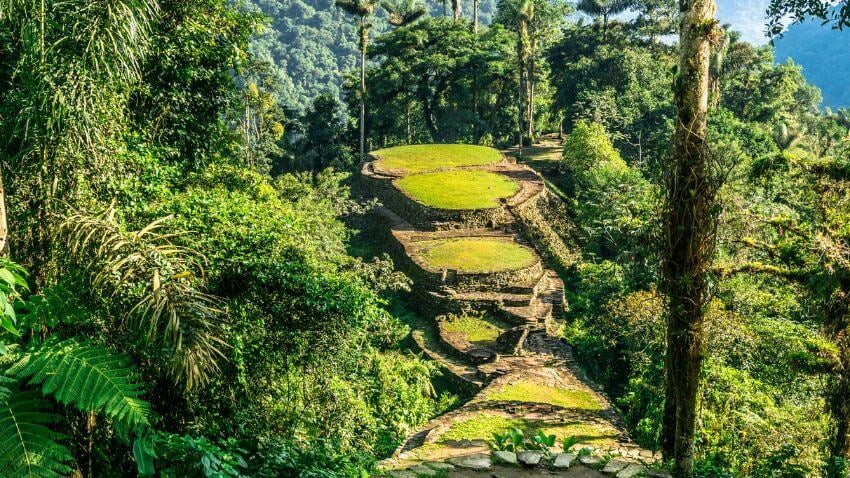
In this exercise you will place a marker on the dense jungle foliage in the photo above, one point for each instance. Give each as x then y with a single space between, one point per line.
184 290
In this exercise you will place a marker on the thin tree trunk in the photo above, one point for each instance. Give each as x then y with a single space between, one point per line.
4 225
475 16
531 99
521 92
838 396
363 39
407 120
456 10
689 231
247 131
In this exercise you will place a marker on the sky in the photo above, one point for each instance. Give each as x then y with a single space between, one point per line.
746 16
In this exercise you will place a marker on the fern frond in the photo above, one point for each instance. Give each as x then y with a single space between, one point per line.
28 447
89 377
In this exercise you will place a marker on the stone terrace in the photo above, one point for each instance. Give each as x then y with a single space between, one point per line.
526 377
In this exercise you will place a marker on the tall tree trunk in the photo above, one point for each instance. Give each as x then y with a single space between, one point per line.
689 230
475 16
456 10
4 224
407 120
363 41
521 92
605 26
531 99
838 395
428 116
247 130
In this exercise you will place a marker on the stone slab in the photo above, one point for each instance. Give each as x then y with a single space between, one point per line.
630 471
506 457
564 460
477 462
614 466
529 458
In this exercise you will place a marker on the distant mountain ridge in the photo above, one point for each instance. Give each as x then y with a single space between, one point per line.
824 54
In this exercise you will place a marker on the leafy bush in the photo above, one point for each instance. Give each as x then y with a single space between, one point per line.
612 203
515 440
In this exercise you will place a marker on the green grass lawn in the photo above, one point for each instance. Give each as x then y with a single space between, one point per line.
476 254
416 158
528 391
482 427
480 330
458 189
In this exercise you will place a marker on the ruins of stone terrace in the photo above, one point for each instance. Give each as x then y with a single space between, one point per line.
467 224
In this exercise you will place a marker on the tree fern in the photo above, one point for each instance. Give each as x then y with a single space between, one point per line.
88 377
28 448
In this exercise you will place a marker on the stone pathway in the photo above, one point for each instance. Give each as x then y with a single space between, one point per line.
527 378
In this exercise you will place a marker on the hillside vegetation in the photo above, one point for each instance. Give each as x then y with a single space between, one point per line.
202 276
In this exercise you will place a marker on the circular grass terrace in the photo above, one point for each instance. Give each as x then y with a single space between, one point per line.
478 330
476 255
458 189
417 158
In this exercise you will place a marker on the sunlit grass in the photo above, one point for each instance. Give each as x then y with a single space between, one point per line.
584 433
530 391
478 330
428 157
458 189
484 425
481 427
476 255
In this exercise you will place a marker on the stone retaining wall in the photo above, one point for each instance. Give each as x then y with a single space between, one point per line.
382 187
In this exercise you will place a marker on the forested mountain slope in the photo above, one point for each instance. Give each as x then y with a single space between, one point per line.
824 54
312 45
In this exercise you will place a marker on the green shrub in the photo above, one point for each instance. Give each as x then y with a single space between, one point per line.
612 203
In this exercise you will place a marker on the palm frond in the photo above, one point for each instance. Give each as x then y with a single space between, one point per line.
604 7
157 279
358 8
403 13
88 377
28 447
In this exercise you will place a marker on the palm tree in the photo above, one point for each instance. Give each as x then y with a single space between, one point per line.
605 9
72 78
524 10
361 10
401 14
157 281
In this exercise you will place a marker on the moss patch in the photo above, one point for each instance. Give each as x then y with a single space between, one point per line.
476 255
481 427
478 330
416 158
484 425
458 189
528 391
583 432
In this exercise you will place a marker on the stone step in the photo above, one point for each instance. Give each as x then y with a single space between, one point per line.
553 292
536 314
454 233
514 299
464 372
